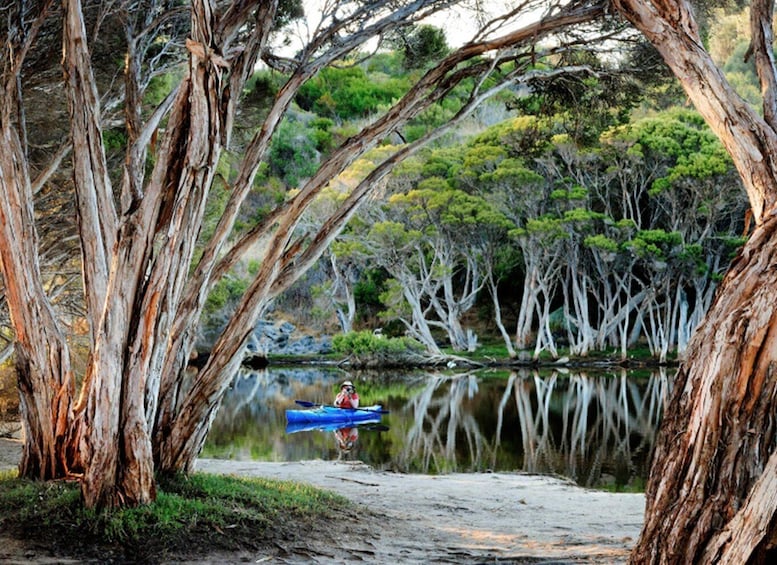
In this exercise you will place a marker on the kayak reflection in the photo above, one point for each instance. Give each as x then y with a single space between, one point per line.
373 424
345 437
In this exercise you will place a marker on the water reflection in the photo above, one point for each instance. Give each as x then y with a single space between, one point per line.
346 430
595 429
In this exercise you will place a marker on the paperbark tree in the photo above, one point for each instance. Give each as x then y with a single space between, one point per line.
434 244
710 497
138 411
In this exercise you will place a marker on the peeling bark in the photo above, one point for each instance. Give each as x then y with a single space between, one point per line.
709 497
718 433
43 370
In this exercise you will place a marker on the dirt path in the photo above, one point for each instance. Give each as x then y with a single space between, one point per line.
456 518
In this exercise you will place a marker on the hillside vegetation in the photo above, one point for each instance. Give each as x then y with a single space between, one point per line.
567 217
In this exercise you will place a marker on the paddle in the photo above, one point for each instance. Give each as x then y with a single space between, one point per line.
373 427
307 404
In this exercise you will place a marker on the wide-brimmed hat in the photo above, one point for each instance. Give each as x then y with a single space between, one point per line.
346 383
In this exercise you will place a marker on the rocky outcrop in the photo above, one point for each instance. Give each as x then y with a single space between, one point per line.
282 338
269 338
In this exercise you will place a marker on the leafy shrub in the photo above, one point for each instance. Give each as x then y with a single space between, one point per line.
424 45
224 294
293 154
366 343
349 93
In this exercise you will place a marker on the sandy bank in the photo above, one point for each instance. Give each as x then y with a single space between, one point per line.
455 518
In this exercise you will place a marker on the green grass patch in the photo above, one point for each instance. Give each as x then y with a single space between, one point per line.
485 350
372 393
192 516
636 485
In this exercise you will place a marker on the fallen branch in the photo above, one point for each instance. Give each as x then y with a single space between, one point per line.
353 481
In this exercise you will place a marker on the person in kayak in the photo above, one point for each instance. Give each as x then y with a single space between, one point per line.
347 397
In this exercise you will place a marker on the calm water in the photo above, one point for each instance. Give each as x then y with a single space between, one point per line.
595 429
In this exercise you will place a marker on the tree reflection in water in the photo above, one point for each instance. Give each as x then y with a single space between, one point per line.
594 429
591 429
435 414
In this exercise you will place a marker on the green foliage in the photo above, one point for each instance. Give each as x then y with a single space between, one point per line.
730 29
114 140
266 194
734 242
322 134
740 71
693 257
480 162
422 45
226 292
261 88
217 198
392 234
367 290
441 162
582 216
434 207
393 300
581 105
565 174
680 141
655 243
512 172
293 155
547 227
573 193
433 117
185 516
524 137
366 343
288 11
348 93
602 242
158 88
387 63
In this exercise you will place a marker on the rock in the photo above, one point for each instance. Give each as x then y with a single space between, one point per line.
281 338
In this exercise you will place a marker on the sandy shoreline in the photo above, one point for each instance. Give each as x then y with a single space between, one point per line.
455 518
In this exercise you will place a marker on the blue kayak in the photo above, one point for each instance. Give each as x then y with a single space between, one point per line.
294 427
334 415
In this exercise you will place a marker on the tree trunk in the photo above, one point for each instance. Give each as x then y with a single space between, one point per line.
707 498
706 503
45 379
523 327
493 290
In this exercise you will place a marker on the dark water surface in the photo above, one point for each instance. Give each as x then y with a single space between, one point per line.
595 428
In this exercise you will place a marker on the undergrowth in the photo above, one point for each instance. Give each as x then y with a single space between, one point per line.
192 516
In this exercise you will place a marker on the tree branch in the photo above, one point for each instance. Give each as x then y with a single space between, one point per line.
96 208
761 45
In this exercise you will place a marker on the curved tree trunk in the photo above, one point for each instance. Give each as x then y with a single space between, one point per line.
708 496
138 412
719 430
